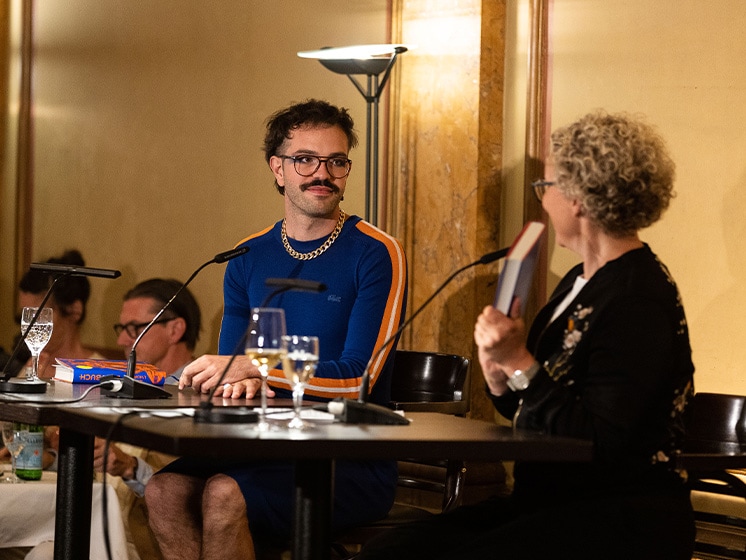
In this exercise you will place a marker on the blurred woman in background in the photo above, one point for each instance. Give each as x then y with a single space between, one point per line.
68 302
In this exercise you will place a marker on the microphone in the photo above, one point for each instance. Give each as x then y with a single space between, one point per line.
22 385
225 256
295 284
74 270
134 389
207 413
362 412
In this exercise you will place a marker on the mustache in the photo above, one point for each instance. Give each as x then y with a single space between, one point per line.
320 183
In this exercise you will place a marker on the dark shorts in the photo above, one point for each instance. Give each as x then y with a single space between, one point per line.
363 491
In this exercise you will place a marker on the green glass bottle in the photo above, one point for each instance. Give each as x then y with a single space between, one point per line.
28 464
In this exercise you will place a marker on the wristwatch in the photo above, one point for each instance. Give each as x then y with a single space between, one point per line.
521 378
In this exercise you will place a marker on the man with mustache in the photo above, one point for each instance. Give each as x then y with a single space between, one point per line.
212 509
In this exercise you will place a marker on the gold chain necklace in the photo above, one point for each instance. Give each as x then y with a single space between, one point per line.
313 254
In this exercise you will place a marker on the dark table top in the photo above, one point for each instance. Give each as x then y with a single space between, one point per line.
166 425
46 408
429 435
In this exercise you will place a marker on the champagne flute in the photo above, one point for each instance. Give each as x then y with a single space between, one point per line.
264 348
38 336
13 443
299 365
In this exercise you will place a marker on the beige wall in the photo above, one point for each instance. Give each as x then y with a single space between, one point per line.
517 37
148 125
681 63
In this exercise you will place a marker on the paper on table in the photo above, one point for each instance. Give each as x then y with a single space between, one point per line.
306 413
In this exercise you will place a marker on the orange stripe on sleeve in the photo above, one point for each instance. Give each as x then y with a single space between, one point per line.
394 303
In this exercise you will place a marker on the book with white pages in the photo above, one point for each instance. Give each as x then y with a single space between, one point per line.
518 271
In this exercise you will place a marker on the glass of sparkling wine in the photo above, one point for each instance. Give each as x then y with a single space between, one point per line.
299 365
264 348
38 335
14 444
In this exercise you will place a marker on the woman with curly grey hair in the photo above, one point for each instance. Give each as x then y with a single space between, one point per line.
617 167
607 360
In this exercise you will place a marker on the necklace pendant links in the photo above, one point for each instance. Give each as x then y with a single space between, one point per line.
324 246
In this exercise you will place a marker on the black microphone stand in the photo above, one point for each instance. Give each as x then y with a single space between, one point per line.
208 414
131 388
363 412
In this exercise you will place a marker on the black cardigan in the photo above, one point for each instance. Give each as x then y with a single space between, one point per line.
616 369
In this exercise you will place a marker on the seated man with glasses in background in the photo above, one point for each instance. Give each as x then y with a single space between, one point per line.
168 345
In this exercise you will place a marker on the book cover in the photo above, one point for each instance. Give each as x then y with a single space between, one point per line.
518 272
91 371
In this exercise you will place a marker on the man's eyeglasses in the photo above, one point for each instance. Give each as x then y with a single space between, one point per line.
305 166
134 329
540 187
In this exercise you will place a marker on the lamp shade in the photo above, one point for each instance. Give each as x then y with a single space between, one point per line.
370 60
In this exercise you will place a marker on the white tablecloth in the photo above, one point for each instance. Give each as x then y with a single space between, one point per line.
27 517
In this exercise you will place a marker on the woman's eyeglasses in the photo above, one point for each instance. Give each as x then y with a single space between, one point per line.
540 187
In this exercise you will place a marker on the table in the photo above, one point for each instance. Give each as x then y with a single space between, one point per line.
430 435
27 517
74 484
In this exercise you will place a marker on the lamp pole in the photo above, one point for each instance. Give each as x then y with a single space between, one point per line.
375 62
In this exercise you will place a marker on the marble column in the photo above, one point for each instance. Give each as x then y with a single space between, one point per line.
444 166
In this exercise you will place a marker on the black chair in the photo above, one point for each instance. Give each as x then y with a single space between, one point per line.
430 382
715 446
422 382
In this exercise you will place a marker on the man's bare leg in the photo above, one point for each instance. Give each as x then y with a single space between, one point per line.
225 531
175 514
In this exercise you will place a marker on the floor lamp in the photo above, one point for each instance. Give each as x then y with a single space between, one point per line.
375 62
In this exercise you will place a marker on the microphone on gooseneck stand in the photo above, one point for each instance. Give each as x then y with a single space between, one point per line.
207 413
127 387
8 385
362 412
297 284
75 270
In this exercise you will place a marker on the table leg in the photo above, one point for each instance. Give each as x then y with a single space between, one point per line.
313 509
72 528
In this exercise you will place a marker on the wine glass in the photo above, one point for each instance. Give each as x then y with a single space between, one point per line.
38 336
299 365
14 443
264 347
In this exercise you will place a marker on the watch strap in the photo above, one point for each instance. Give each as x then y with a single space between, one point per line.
522 378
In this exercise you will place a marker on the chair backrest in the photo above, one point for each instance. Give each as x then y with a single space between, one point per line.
430 381
716 442
716 423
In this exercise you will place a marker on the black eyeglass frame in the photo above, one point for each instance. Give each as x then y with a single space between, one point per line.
138 327
319 161
540 187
